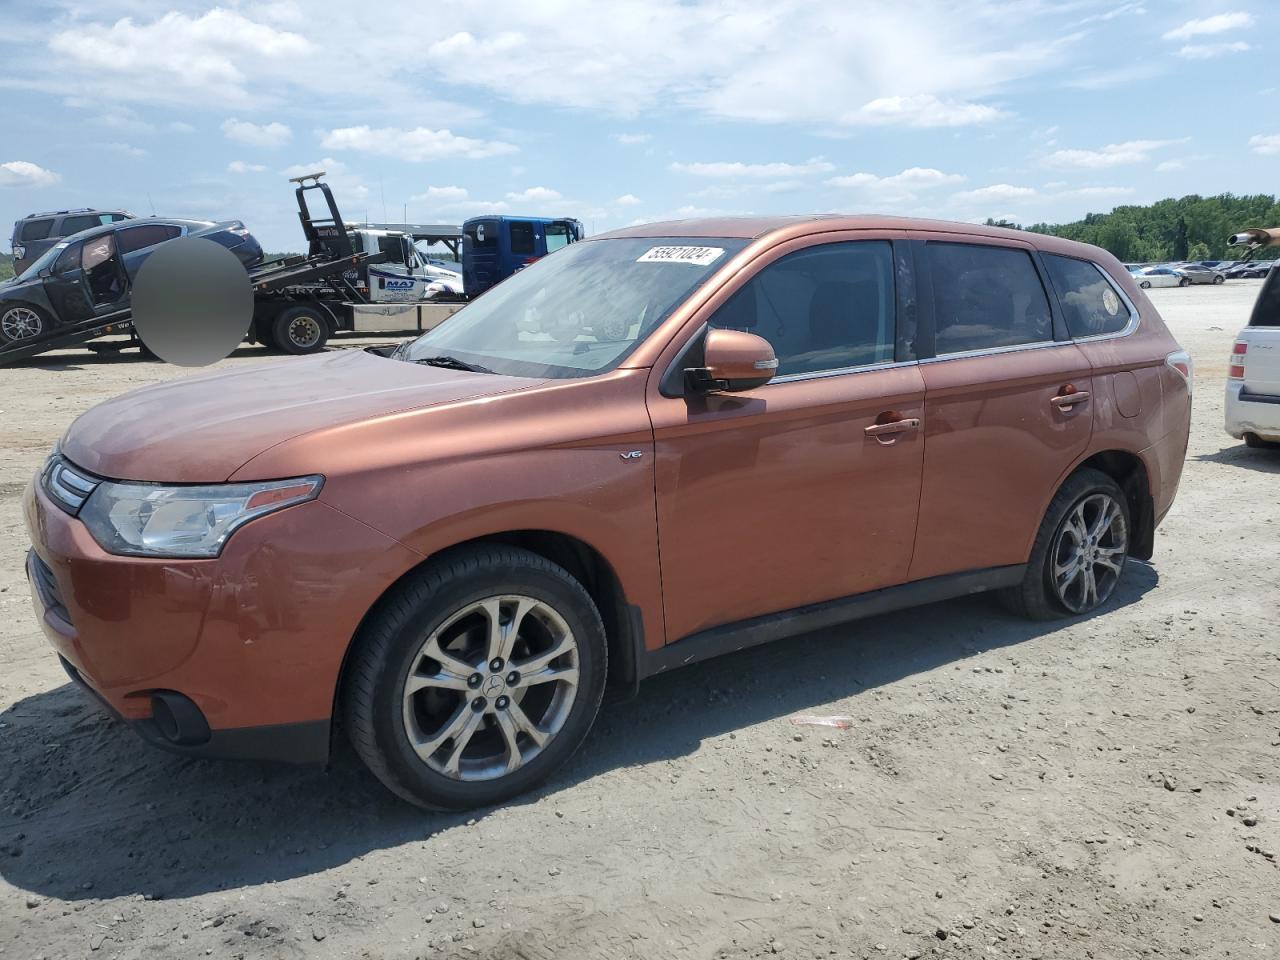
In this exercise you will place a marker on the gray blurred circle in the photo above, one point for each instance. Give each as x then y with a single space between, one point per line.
192 302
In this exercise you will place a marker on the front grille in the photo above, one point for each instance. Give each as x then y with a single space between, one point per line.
47 587
67 485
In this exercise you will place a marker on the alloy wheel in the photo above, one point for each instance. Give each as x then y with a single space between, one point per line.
1089 553
19 323
491 687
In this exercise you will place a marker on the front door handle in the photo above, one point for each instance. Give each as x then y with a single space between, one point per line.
893 426
1068 399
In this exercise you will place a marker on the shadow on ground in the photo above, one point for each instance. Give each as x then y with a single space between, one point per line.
84 802
1264 459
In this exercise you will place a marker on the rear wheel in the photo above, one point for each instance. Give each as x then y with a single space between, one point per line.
1255 441
476 678
1079 553
301 329
21 322
1184 282
1145 284
1219 279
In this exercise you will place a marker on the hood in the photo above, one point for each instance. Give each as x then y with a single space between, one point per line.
15 289
202 429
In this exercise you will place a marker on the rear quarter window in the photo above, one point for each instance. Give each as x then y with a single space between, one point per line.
36 229
1266 311
986 297
1090 303
522 238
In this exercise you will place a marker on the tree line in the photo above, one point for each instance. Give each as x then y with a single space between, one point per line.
1173 229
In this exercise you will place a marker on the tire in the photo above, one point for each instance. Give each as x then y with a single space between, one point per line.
1184 282
443 608
1257 443
20 322
1076 506
1218 279
1145 284
300 330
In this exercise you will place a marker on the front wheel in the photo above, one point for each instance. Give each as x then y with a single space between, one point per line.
1145 284
1184 282
301 329
1079 553
476 679
1219 279
21 322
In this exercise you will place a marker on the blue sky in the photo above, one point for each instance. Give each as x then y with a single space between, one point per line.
617 112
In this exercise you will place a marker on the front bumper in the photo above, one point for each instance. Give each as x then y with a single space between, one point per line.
254 639
1251 413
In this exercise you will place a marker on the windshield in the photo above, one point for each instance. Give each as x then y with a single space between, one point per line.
579 311
44 260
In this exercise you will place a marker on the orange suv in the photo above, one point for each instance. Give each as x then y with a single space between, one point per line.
656 446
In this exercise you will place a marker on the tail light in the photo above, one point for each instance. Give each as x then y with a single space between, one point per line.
1180 361
1236 370
19 252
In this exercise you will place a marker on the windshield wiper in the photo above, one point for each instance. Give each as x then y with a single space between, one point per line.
452 363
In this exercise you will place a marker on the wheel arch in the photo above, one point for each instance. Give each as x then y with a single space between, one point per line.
1130 472
624 632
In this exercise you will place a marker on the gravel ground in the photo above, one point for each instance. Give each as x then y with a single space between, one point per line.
1103 787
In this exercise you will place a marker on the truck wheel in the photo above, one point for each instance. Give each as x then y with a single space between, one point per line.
476 678
301 329
21 322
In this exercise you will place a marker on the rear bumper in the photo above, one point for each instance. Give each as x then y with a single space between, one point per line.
1251 412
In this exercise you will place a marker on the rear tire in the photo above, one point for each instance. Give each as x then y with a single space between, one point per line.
1257 443
300 330
1218 279
1083 541
1184 282
425 706
1145 284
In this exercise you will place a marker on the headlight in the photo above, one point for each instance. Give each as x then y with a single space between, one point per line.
146 520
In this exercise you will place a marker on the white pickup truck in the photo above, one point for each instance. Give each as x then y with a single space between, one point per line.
1253 379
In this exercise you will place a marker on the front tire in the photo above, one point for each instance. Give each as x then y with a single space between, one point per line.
1184 282
300 330
476 678
20 322
1079 553
1145 284
1218 279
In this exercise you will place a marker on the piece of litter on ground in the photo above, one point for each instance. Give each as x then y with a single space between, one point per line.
803 720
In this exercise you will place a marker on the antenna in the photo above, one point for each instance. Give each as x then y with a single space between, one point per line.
151 203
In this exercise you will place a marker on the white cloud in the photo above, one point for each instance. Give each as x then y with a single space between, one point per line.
1266 144
1207 51
128 149
996 193
180 126
739 169
535 195
22 173
911 179
345 184
1097 192
921 110
1168 166
627 200
1205 26
437 195
266 135
239 166
415 146
631 139
1112 155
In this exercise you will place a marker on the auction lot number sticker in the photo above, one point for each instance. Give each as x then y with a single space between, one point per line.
698 256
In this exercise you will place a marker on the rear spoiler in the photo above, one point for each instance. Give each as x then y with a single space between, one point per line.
1255 239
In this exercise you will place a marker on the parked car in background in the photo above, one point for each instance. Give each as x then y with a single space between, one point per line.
1160 277
653 447
1253 270
88 275
1253 375
37 232
1194 273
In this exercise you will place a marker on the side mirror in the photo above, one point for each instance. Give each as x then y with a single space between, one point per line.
734 360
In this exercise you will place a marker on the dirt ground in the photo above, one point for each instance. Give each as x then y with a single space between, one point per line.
1103 787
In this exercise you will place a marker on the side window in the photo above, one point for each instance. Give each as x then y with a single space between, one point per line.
36 229
986 297
1091 304
522 237
148 235
115 217
557 236
1266 310
81 222
482 233
825 308
68 259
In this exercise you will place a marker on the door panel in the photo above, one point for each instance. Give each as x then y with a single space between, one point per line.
777 497
996 448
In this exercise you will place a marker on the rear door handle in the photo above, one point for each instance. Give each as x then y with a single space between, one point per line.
1070 399
893 426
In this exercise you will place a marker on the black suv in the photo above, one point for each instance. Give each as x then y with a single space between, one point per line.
37 232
